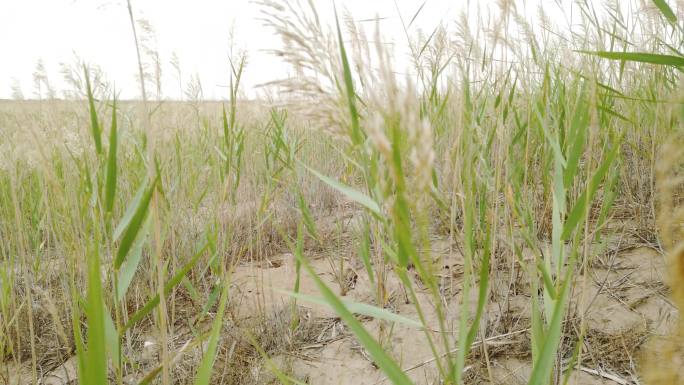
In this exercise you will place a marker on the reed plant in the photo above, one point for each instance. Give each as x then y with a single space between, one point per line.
526 148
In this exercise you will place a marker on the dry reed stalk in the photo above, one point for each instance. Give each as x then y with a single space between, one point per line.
664 359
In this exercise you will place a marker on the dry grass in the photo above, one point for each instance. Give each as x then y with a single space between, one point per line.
517 199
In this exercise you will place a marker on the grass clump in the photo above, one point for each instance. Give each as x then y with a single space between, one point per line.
437 226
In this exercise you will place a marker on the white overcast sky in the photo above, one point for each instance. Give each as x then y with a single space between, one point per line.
99 31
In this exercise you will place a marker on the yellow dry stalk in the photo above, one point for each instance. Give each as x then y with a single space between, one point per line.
664 358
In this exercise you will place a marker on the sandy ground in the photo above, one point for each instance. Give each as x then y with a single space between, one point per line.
622 298
625 302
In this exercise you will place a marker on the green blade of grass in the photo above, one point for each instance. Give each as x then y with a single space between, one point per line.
130 266
355 195
134 226
666 10
406 250
194 294
96 358
549 286
306 215
298 249
482 293
226 132
541 371
365 253
112 338
78 336
204 372
642 57
130 211
359 308
579 210
110 184
380 357
208 303
614 113
356 136
536 327
578 129
94 123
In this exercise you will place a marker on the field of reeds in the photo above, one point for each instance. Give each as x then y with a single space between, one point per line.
509 211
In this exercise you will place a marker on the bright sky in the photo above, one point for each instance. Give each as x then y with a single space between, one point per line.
99 31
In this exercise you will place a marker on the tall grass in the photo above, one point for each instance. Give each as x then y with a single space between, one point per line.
525 151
